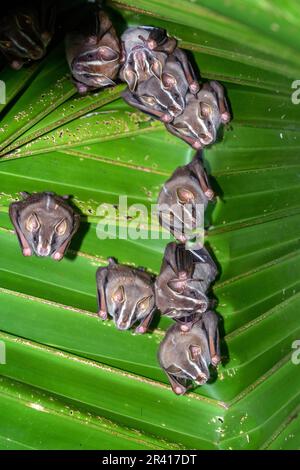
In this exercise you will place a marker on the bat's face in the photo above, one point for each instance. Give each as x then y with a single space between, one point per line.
93 54
163 94
185 357
129 296
199 123
181 204
179 287
23 36
45 222
96 66
145 51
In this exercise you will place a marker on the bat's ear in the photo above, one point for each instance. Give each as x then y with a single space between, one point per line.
194 352
205 109
177 285
168 80
119 295
24 194
156 68
130 77
185 196
108 54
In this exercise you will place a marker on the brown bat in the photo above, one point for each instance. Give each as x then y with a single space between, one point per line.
185 356
202 116
161 96
144 52
126 294
183 282
26 30
93 52
159 77
183 200
44 224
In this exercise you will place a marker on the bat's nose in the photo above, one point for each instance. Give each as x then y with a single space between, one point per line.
122 325
201 379
43 249
37 53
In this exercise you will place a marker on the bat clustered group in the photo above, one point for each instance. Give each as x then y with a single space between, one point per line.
160 82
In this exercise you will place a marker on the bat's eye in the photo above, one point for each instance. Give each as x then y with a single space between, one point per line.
205 109
185 196
32 224
119 295
149 100
61 227
144 304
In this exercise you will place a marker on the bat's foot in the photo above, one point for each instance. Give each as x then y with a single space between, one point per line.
140 329
26 251
194 87
102 314
209 194
215 360
225 117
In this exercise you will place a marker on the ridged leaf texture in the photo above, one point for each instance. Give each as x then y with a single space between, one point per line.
73 382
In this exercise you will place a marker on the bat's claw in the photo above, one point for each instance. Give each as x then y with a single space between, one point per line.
57 256
209 194
166 118
225 117
215 360
179 390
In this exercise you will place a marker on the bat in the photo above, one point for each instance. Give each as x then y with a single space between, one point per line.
126 294
182 284
93 52
185 356
144 52
26 30
161 96
44 223
183 200
204 113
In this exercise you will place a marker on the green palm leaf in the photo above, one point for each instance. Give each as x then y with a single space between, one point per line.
72 381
